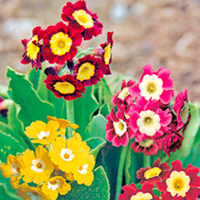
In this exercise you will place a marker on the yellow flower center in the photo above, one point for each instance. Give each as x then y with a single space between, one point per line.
60 43
153 172
32 49
146 143
37 165
120 127
67 154
178 183
54 184
86 71
141 196
83 18
107 54
64 87
124 93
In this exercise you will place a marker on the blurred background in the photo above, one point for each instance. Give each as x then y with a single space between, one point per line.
161 32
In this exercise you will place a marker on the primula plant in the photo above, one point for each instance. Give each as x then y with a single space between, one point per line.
69 132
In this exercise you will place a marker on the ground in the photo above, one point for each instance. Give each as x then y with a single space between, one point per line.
161 32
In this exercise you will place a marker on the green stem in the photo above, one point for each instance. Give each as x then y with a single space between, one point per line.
120 171
147 161
70 116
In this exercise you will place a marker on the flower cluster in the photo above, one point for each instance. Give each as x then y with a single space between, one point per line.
145 113
174 183
71 70
3 109
54 163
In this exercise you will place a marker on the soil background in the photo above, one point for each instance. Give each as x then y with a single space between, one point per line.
160 32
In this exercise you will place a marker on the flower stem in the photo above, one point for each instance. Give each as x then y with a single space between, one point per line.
70 116
120 171
147 160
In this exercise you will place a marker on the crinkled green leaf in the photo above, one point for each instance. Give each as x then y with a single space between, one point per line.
95 144
98 190
32 107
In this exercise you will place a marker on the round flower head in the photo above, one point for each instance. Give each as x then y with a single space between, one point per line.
54 186
65 86
182 110
41 132
81 19
154 85
182 184
132 193
117 129
89 70
123 99
13 169
157 172
33 52
28 193
60 43
148 120
38 167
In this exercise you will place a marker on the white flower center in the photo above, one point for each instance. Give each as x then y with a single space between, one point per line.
178 183
149 122
151 87
37 165
54 185
15 169
43 135
34 196
141 196
83 169
67 154
120 127
124 93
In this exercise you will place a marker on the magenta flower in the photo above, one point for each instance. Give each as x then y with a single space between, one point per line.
3 109
154 85
182 109
147 120
117 129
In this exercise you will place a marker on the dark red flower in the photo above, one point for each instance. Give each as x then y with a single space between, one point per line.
33 49
81 19
89 70
65 86
60 43
3 109
156 173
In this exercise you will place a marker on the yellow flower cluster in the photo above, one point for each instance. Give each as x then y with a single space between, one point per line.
53 165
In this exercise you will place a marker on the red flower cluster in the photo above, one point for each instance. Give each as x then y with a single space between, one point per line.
177 183
147 114
58 44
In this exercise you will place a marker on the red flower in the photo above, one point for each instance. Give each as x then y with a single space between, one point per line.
89 70
65 86
3 109
182 109
117 129
181 184
81 19
60 43
32 48
156 173
131 192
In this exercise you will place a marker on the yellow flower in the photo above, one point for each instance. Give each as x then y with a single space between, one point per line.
41 132
83 173
27 193
38 168
54 186
63 124
13 169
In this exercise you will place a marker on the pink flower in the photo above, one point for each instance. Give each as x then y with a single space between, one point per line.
81 19
147 120
117 129
182 109
154 85
181 184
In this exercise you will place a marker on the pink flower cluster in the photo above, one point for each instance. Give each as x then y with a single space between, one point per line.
58 44
144 113
173 184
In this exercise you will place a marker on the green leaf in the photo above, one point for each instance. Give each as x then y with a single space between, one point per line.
98 190
95 144
34 77
84 108
32 107
9 145
97 127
